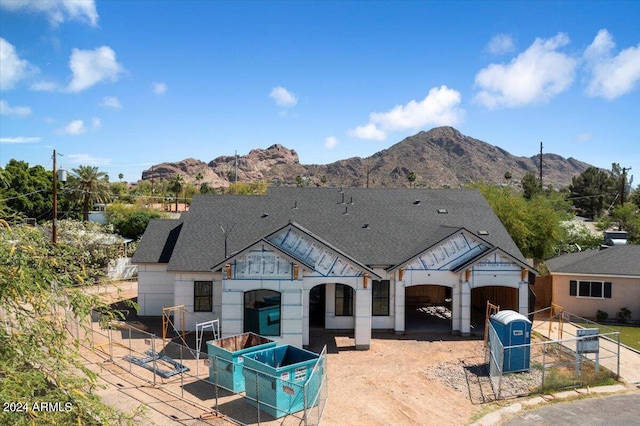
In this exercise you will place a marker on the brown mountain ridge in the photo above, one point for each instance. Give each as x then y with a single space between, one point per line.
440 157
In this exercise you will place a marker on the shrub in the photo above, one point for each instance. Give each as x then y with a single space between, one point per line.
601 316
624 315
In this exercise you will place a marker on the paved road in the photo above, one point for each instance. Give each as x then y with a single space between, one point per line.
611 411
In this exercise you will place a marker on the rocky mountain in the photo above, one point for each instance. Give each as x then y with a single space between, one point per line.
441 157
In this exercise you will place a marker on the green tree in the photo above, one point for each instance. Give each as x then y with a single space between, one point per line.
530 186
90 185
120 176
592 191
134 224
634 197
29 190
411 177
39 358
534 225
176 184
248 188
628 219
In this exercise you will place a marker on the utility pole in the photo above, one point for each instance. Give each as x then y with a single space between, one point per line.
540 165
54 226
624 184
56 178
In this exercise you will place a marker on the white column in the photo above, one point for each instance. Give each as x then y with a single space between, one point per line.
456 317
465 308
399 307
305 317
523 298
362 329
232 312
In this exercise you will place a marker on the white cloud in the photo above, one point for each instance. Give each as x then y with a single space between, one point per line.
368 131
500 44
283 97
440 108
90 67
111 102
12 68
44 86
17 111
611 76
330 142
57 11
76 127
87 160
159 88
534 76
584 137
20 139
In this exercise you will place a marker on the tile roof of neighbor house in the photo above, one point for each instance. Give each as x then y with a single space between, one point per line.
378 227
618 260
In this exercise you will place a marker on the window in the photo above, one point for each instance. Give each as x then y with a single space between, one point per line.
380 296
202 296
344 300
593 289
262 312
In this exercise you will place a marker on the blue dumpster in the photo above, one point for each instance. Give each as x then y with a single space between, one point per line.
514 331
279 380
226 357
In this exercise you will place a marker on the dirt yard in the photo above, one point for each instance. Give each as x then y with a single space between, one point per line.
409 380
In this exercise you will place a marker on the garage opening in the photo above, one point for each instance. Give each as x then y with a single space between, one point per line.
505 297
428 308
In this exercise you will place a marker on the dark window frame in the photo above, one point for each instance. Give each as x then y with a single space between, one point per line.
199 296
344 301
590 289
380 293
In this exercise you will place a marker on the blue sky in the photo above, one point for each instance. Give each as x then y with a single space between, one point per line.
123 85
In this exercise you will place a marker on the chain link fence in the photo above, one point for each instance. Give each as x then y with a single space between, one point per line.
566 351
192 375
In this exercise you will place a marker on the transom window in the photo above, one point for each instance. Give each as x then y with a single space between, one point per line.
344 300
593 289
202 296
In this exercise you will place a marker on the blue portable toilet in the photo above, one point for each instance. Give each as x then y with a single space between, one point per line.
514 331
282 380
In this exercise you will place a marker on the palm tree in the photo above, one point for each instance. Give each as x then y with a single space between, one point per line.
91 186
175 185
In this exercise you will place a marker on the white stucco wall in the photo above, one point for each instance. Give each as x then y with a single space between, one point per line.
155 288
184 291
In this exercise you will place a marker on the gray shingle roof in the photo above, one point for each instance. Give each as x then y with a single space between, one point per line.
618 260
398 227
158 241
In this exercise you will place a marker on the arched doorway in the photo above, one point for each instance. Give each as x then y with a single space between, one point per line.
428 308
317 306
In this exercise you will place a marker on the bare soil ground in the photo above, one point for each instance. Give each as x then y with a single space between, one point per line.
412 380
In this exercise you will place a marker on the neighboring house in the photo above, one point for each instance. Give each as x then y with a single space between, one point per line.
592 280
355 259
